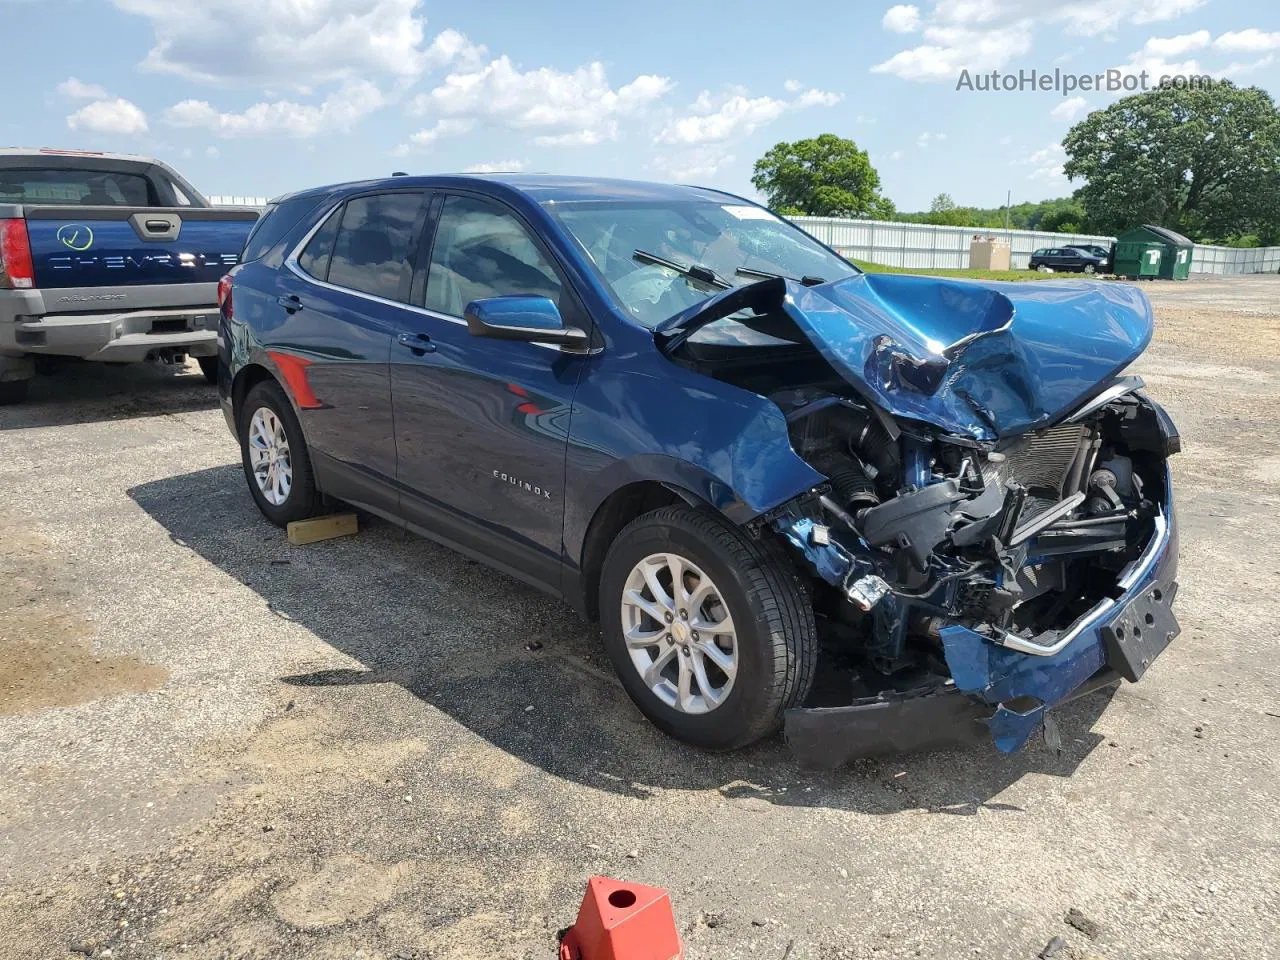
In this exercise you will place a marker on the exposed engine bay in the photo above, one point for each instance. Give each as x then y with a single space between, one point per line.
1015 539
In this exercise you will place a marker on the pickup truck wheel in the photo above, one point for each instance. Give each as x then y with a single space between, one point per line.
14 391
711 632
209 367
274 456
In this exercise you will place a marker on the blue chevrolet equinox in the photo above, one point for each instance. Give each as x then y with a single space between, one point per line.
885 512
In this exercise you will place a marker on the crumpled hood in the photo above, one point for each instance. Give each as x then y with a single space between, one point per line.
978 359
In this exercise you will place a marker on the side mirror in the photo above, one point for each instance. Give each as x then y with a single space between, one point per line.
531 319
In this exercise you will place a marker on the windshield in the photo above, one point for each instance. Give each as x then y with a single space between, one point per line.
660 258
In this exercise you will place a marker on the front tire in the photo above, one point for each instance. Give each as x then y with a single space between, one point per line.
274 455
711 632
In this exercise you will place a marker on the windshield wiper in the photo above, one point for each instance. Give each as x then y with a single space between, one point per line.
807 280
695 272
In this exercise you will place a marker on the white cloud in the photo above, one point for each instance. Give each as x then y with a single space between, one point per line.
793 86
340 111
1176 46
738 115
427 136
984 35
818 98
580 107
1236 69
117 116
716 118
1091 18
73 89
1251 40
1046 164
452 47
951 49
211 152
698 163
927 138
497 166
896 155
1069 108
292 42
904 18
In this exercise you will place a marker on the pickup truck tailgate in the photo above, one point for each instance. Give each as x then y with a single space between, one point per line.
82 246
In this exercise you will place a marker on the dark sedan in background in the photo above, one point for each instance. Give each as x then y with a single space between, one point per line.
1072 259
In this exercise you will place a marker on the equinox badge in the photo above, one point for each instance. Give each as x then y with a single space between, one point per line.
522 484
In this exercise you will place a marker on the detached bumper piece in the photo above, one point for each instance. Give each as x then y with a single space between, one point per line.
829 737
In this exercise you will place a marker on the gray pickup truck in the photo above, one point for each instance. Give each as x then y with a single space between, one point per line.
110 258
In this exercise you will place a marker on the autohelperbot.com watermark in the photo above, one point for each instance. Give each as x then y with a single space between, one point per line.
1113 80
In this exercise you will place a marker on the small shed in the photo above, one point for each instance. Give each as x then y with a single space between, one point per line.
1151 251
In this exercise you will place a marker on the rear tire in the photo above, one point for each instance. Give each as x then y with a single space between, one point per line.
774 648
209 367
14 391
267 423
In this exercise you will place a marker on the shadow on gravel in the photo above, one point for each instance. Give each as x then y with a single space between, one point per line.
484 648
79 392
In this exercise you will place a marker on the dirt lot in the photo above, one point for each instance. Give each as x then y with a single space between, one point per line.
217 745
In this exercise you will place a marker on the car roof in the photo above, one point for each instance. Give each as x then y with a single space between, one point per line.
547 188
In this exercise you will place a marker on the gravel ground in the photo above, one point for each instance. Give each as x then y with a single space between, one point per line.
217 745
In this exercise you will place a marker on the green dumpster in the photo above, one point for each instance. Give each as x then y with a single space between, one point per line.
1151 251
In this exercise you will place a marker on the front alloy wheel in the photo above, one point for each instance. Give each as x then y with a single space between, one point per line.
679 633
710 630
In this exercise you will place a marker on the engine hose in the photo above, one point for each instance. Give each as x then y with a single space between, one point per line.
913 595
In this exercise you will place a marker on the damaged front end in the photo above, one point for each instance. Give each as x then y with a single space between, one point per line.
996 532
979 584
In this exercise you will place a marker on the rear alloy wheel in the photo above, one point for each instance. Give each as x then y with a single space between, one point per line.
274 456
1044 269
710 631
1090 268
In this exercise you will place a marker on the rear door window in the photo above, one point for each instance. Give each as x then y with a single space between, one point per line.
374 249
88 188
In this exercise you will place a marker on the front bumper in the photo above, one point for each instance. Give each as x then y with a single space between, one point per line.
1000 693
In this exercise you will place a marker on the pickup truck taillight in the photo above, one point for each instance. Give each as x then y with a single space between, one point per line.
16 269
224 296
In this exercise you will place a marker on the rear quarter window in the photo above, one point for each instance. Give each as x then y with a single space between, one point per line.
275 225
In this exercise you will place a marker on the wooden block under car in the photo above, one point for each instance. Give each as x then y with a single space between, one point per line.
322 528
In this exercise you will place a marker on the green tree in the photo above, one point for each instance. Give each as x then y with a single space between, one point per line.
825 176
942 203
1205 162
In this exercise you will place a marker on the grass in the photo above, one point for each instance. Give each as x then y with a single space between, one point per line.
958 274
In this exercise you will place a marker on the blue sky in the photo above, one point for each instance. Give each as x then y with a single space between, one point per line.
265 96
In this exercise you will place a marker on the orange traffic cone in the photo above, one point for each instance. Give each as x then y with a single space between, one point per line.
623 921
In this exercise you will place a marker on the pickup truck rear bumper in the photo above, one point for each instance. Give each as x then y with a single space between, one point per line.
177 318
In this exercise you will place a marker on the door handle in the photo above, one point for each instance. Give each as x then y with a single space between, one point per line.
291 303
418 343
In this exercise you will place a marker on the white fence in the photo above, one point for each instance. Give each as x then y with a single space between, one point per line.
1207 259
228 201
929 247
926 246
